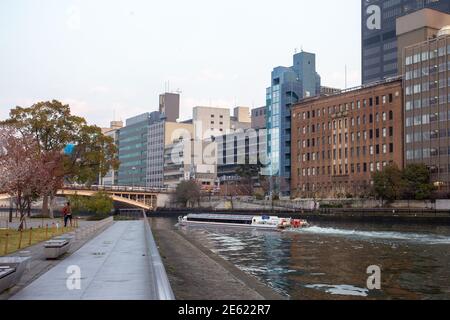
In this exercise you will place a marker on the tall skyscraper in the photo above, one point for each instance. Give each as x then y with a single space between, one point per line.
427 106
379 41
133 149
288 86
110 179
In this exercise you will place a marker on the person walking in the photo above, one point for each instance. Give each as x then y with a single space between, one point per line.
67 212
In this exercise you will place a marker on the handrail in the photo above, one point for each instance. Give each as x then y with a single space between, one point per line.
161 281
117 188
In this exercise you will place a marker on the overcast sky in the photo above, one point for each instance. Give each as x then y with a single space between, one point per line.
112 58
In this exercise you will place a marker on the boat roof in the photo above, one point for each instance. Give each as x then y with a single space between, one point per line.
220 217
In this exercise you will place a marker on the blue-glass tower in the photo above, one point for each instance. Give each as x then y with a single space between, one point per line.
288 86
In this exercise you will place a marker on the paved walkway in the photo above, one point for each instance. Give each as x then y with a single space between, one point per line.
114 266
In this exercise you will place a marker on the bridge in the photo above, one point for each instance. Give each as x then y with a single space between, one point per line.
139 197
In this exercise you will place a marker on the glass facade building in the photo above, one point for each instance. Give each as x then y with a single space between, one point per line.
379 41
288 86
427 107
133 149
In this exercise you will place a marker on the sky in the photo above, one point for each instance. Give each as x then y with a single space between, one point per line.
110 59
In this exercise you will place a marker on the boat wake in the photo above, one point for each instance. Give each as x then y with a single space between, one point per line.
343 290
386 235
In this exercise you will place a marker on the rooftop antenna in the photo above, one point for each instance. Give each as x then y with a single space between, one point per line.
345 76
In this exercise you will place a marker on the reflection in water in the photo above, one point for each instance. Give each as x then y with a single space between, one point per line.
329 261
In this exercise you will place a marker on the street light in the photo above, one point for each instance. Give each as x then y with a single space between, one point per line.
10 210
132 175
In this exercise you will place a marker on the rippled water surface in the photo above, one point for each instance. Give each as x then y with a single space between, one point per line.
329 260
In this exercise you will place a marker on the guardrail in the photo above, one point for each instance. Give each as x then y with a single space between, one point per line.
87 231
118 188
161 281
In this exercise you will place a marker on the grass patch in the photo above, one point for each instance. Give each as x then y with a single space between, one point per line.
12 240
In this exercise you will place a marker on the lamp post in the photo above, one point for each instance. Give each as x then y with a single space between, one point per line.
133 170
10 209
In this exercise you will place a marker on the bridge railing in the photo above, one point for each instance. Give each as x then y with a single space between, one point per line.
117 188
161 281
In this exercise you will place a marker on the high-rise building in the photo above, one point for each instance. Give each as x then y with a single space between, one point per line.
161 135
259 118
241 119
379 41
427 106
209 121
339 141
111 178
133 149
169 105
242 148
417 27
288 86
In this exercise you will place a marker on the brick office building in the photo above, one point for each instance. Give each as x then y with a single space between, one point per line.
338 141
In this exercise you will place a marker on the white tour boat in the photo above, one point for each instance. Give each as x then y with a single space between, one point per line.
253 222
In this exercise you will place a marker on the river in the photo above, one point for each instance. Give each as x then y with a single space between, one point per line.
330 260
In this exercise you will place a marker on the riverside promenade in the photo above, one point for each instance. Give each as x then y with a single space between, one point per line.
118 264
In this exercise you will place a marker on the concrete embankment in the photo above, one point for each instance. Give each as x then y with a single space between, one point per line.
196 273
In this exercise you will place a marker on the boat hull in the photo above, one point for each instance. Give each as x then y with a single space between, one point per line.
232 225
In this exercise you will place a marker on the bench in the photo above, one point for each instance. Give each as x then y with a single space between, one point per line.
7 276
11 270
53 249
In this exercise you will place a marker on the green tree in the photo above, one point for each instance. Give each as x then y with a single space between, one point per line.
416 182
94 155
99 204
387 183
54 127
187 192
77 203
247 173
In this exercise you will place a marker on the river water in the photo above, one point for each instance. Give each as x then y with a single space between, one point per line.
330 260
